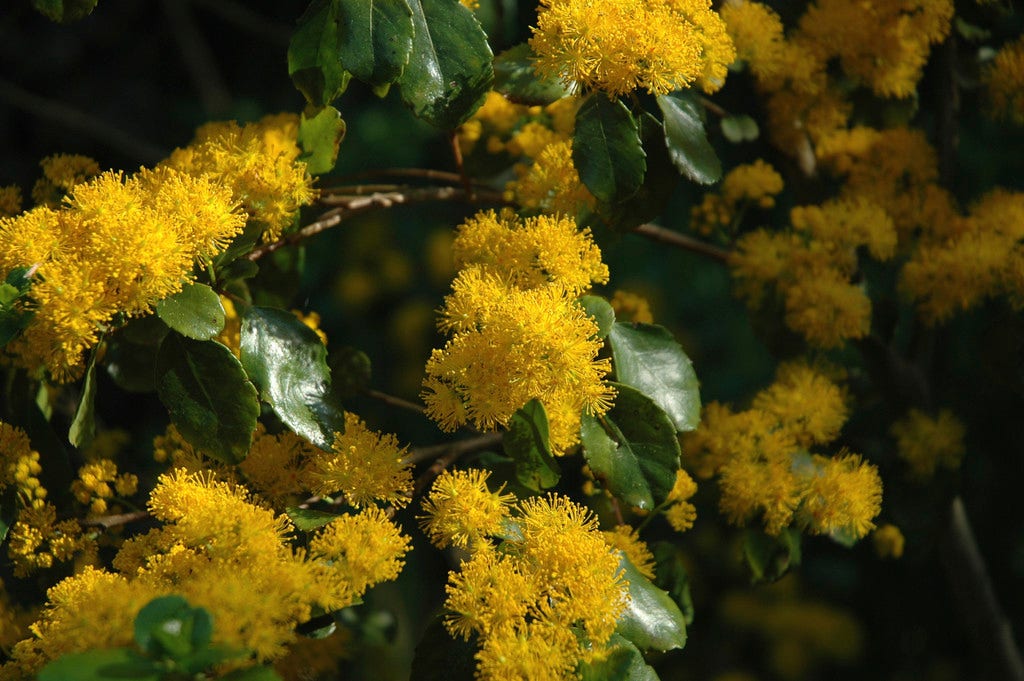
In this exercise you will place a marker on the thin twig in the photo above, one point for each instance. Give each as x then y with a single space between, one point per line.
73 119
467 184
714 108
394 401
418 173
687 243
446 454
108 521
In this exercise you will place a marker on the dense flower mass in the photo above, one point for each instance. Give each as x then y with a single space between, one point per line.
1004 77
619 46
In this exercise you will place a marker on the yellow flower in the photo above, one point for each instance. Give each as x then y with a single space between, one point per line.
490 593
461 511
631 307
1004 77
889 541
927 443
807 404
621 45
37 541
61 172
362 549
10 200
681 514
551 183
844 494
276 465
625 539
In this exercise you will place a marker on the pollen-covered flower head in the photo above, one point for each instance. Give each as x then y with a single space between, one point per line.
461 511
618 46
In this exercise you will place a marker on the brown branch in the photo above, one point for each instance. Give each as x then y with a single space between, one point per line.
687 243
969 580
394 401
108 521
714 108
428 174
457 154
446 454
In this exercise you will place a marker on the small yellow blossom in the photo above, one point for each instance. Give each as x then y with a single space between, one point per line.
37 540
10 201
625 539
275 466
631 307
20 467
844 494
363 549
889 541
1004 77
61 172
810 406
460 510
681 514
927 443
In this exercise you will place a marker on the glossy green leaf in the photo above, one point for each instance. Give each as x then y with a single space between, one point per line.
768 558
632 449
439 657
102 665
313 61
601 311
515 78
83 426
208 396
647 357
13 319
738 129
194 311
449 70
652 620
64 10
606 149
623 662
320 138
687 141
239 246
169 627
288 363
308 519
671 575
660 181
375 38
527 442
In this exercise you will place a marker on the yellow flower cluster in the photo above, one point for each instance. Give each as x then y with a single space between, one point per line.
761 460
259 162
20 467
1004 78
61 173
10 201
889 541
542 600
462 512
681 514
217 548
117 245
37 541
98 482
631 307
626 539
752 184
811 267
927 443
619 46
517 332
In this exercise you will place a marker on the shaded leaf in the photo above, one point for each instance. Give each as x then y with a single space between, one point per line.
308 519
652 620
769 558
83 426
194 311
439 657
449 70
632 449
738 129
313 61
606 149
660 180
671 575
601 311
688 144
102 665
253 674
527 442
376 38
169 627
288 363
351 371
64 11
647 357
623 662
208 396
515 78
320 137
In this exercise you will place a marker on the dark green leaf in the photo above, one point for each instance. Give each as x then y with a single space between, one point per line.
439 657
738 129
449 70
194 311
769 558
652 620
169 627
632 449
202 659
526 441
647 357
376 38
288 363
102 665
307 519
606 149
601 311
208 396
64 10
660 180
687 142
83 426
240 245
131 365
320 137
9 507
243 268
515 78
253 674
13 320
671 575
624 662
350 370
313 61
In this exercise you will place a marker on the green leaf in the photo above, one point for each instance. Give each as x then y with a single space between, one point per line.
12 319
351 371
439 657
515 78
769 558
527 442
313 61
660 181
601 311
239 246
169 627
64 11
288 363
194 311
623 662
449 70
652 620
738 129
307 519
9 508
208 396
687 142
632 449
320 137
606 149
671 575
376 38
647 357
83 426
253 674
102 665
